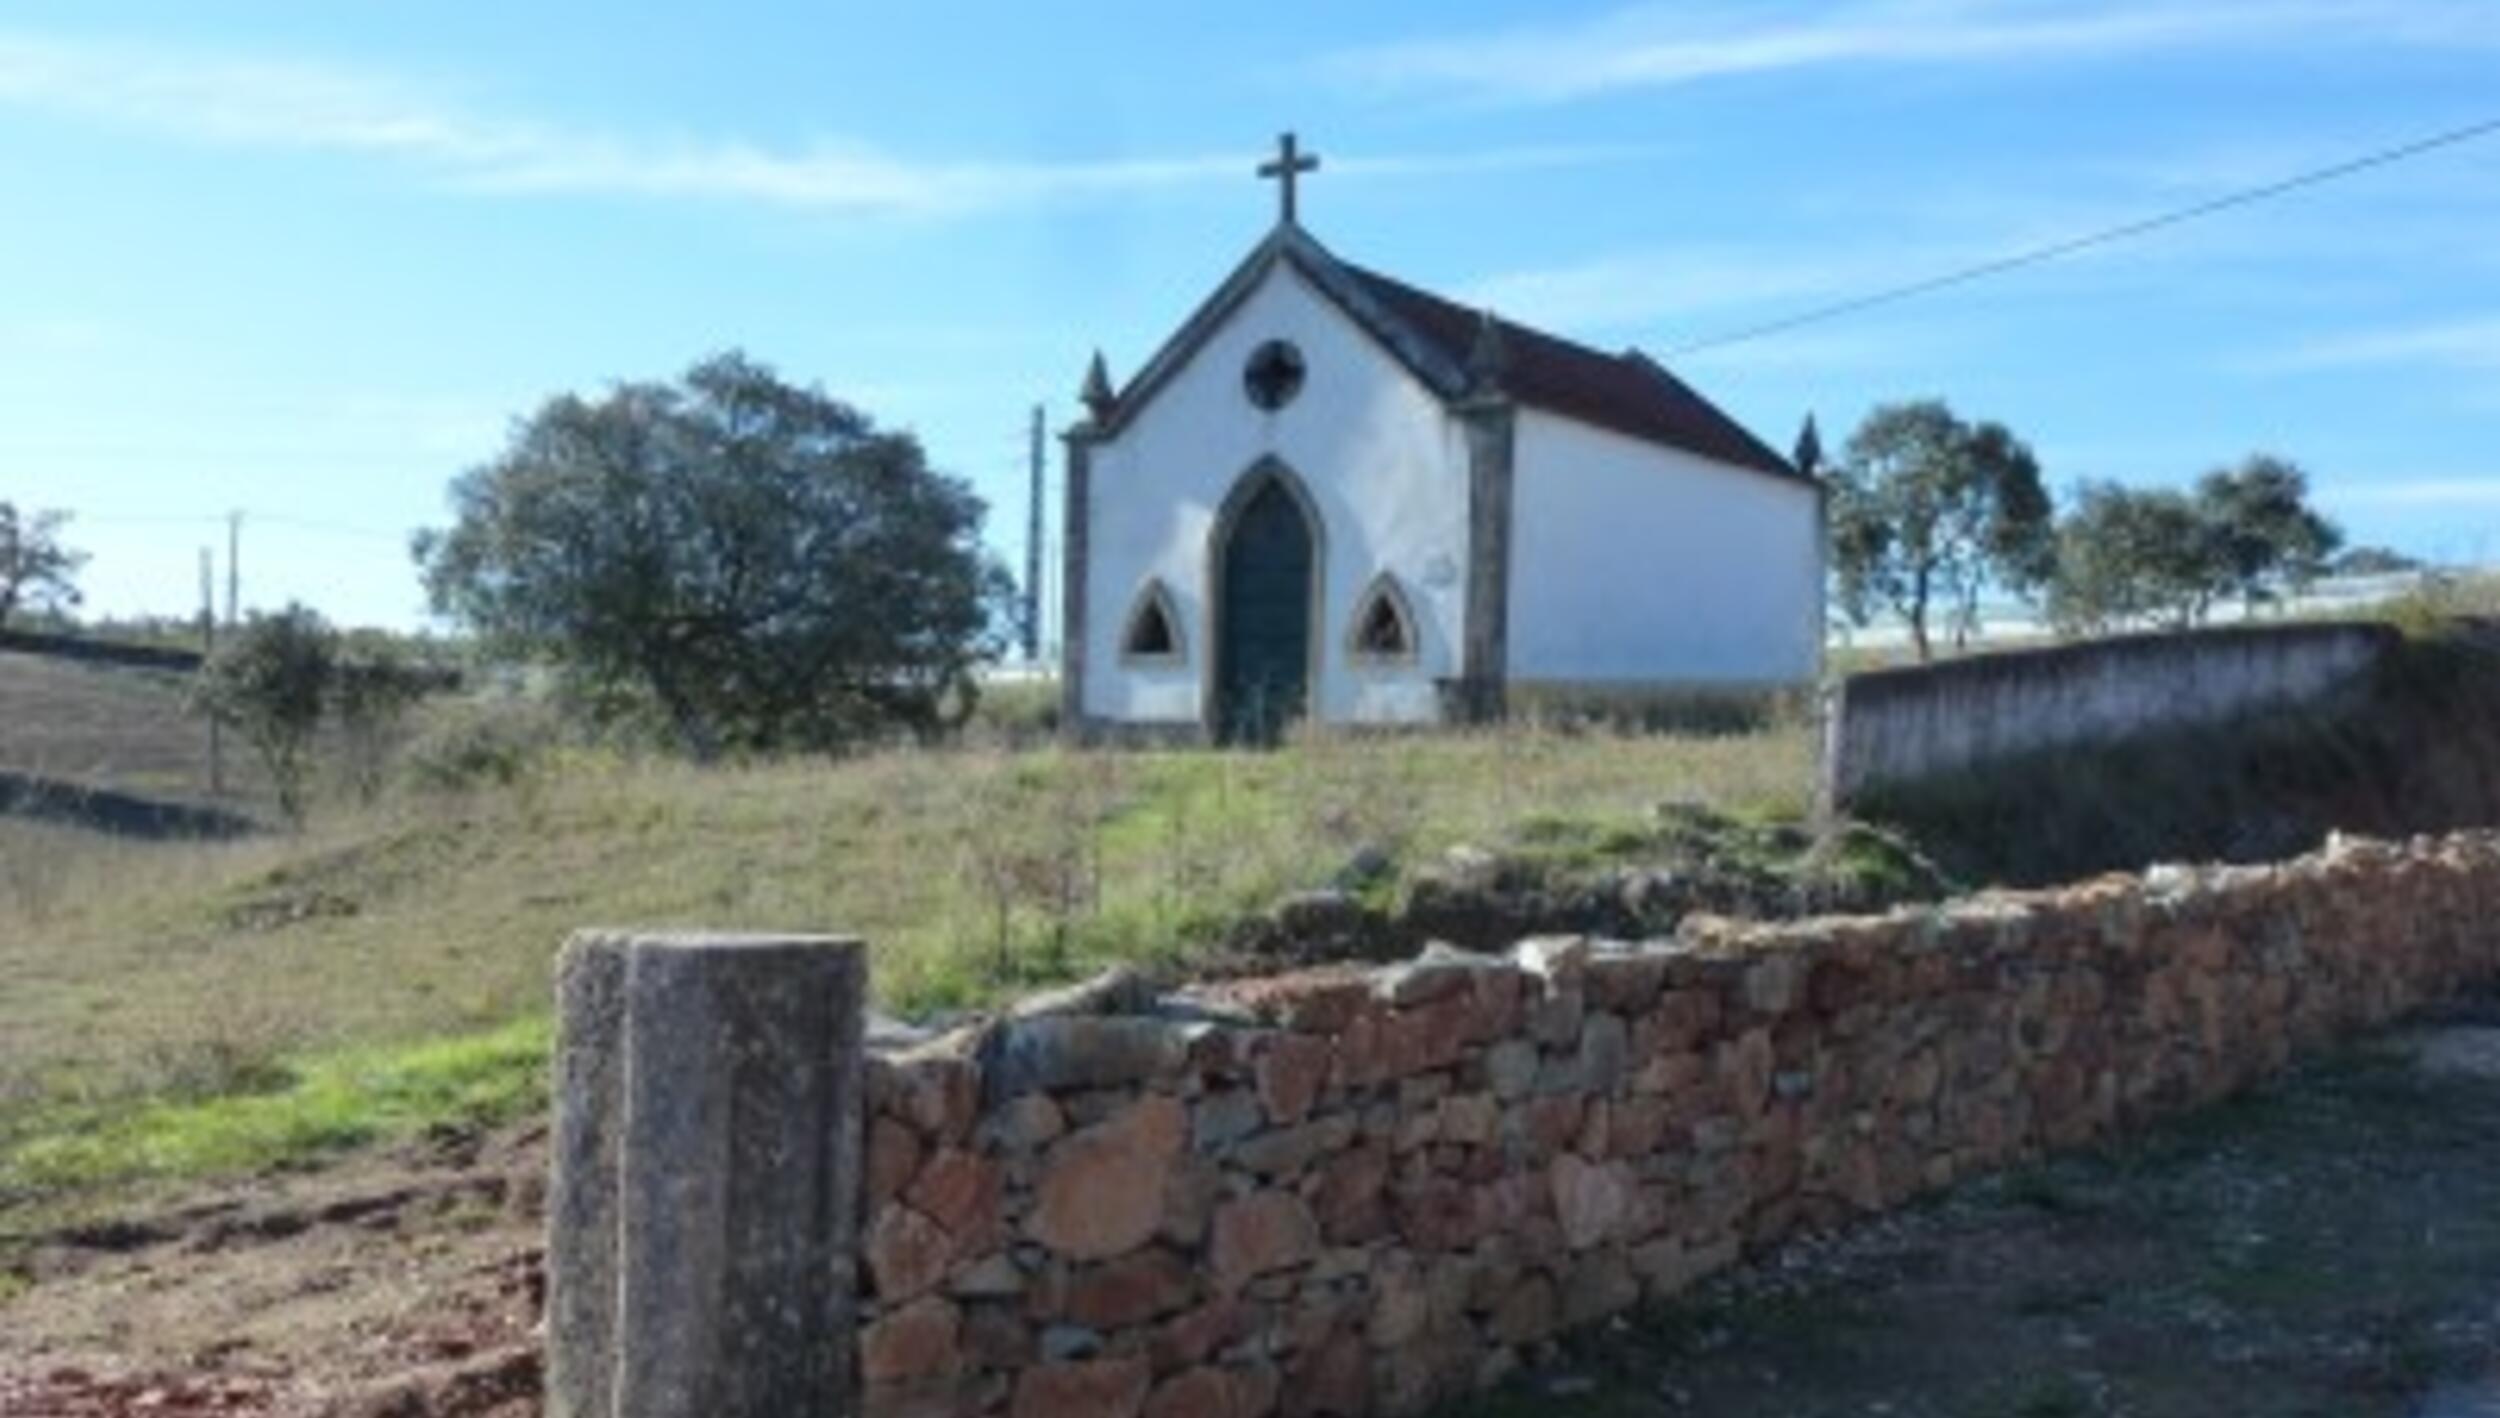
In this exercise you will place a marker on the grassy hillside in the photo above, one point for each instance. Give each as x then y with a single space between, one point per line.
198 969
110 727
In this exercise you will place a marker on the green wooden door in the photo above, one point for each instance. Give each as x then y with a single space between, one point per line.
1263 662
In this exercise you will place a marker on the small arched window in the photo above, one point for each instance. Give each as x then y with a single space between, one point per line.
1153 633
1384 627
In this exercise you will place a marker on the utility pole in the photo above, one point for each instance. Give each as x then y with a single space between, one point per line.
234 565
208 648
1033 550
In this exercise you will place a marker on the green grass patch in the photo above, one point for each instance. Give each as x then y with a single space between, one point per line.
325 1104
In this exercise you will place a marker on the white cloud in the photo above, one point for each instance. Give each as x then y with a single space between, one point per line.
289 105
1651 46
2471 345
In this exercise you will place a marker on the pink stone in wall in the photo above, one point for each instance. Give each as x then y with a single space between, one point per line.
1198 1393
1189 1338
916 1341
1589 1199
1259 1233
1400 1303
1527 1314
1290 1072
1093 1388
958 1190
1102 1189
893 1159
1498 995
1554 1123
907 1253
1333 1379
938 1096
1435 1214
1350 1196
1746 1067
1469 1119
1131 1290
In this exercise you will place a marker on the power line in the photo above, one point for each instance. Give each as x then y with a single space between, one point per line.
2038 255
275 519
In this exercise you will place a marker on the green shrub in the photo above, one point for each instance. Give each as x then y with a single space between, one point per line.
489 743
1024 711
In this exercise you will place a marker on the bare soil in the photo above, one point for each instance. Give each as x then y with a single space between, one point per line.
2329 1245
400 1285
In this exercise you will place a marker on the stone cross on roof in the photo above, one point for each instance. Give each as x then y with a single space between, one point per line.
1289 164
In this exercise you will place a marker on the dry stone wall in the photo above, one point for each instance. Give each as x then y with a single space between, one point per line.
1357 1192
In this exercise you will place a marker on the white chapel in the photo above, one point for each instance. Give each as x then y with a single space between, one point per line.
1333 496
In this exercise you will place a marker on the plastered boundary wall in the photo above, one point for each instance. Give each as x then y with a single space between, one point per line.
1901 725
1347 1192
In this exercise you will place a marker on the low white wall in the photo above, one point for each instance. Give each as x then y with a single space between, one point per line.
1906 724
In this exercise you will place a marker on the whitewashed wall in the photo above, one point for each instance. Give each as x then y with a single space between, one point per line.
1633 563
1381 458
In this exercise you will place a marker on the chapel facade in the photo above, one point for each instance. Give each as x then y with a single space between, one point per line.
1334 496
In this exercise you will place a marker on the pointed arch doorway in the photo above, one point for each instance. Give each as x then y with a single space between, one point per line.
1265 565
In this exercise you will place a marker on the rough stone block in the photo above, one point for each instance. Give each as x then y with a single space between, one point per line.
1102 1192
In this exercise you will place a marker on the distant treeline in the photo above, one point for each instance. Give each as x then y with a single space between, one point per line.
434 677
101 652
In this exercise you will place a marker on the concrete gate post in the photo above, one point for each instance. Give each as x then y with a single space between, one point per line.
704 1213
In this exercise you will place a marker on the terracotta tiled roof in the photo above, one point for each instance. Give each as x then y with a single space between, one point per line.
1628 393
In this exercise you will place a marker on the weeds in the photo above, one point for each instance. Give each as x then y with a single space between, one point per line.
325 1103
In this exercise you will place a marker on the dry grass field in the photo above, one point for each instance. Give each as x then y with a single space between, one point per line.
104 727
198 975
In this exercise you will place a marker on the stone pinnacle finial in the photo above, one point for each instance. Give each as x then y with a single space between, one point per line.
1809 455
1488 359
1097 392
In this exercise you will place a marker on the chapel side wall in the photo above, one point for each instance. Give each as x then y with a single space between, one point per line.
1903 725
1375 450
1345 1192
1633 563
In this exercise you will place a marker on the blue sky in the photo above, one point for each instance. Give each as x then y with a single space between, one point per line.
311 259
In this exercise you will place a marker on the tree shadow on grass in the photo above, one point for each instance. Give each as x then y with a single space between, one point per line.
120 814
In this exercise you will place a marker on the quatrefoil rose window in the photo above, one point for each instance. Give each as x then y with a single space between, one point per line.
1273 375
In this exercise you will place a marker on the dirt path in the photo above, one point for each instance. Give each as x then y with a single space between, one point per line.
2330 1246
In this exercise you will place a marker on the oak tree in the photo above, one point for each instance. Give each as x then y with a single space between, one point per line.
755 564
36 570
1928 511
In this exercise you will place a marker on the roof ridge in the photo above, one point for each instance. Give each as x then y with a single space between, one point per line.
1509 325
1433 336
